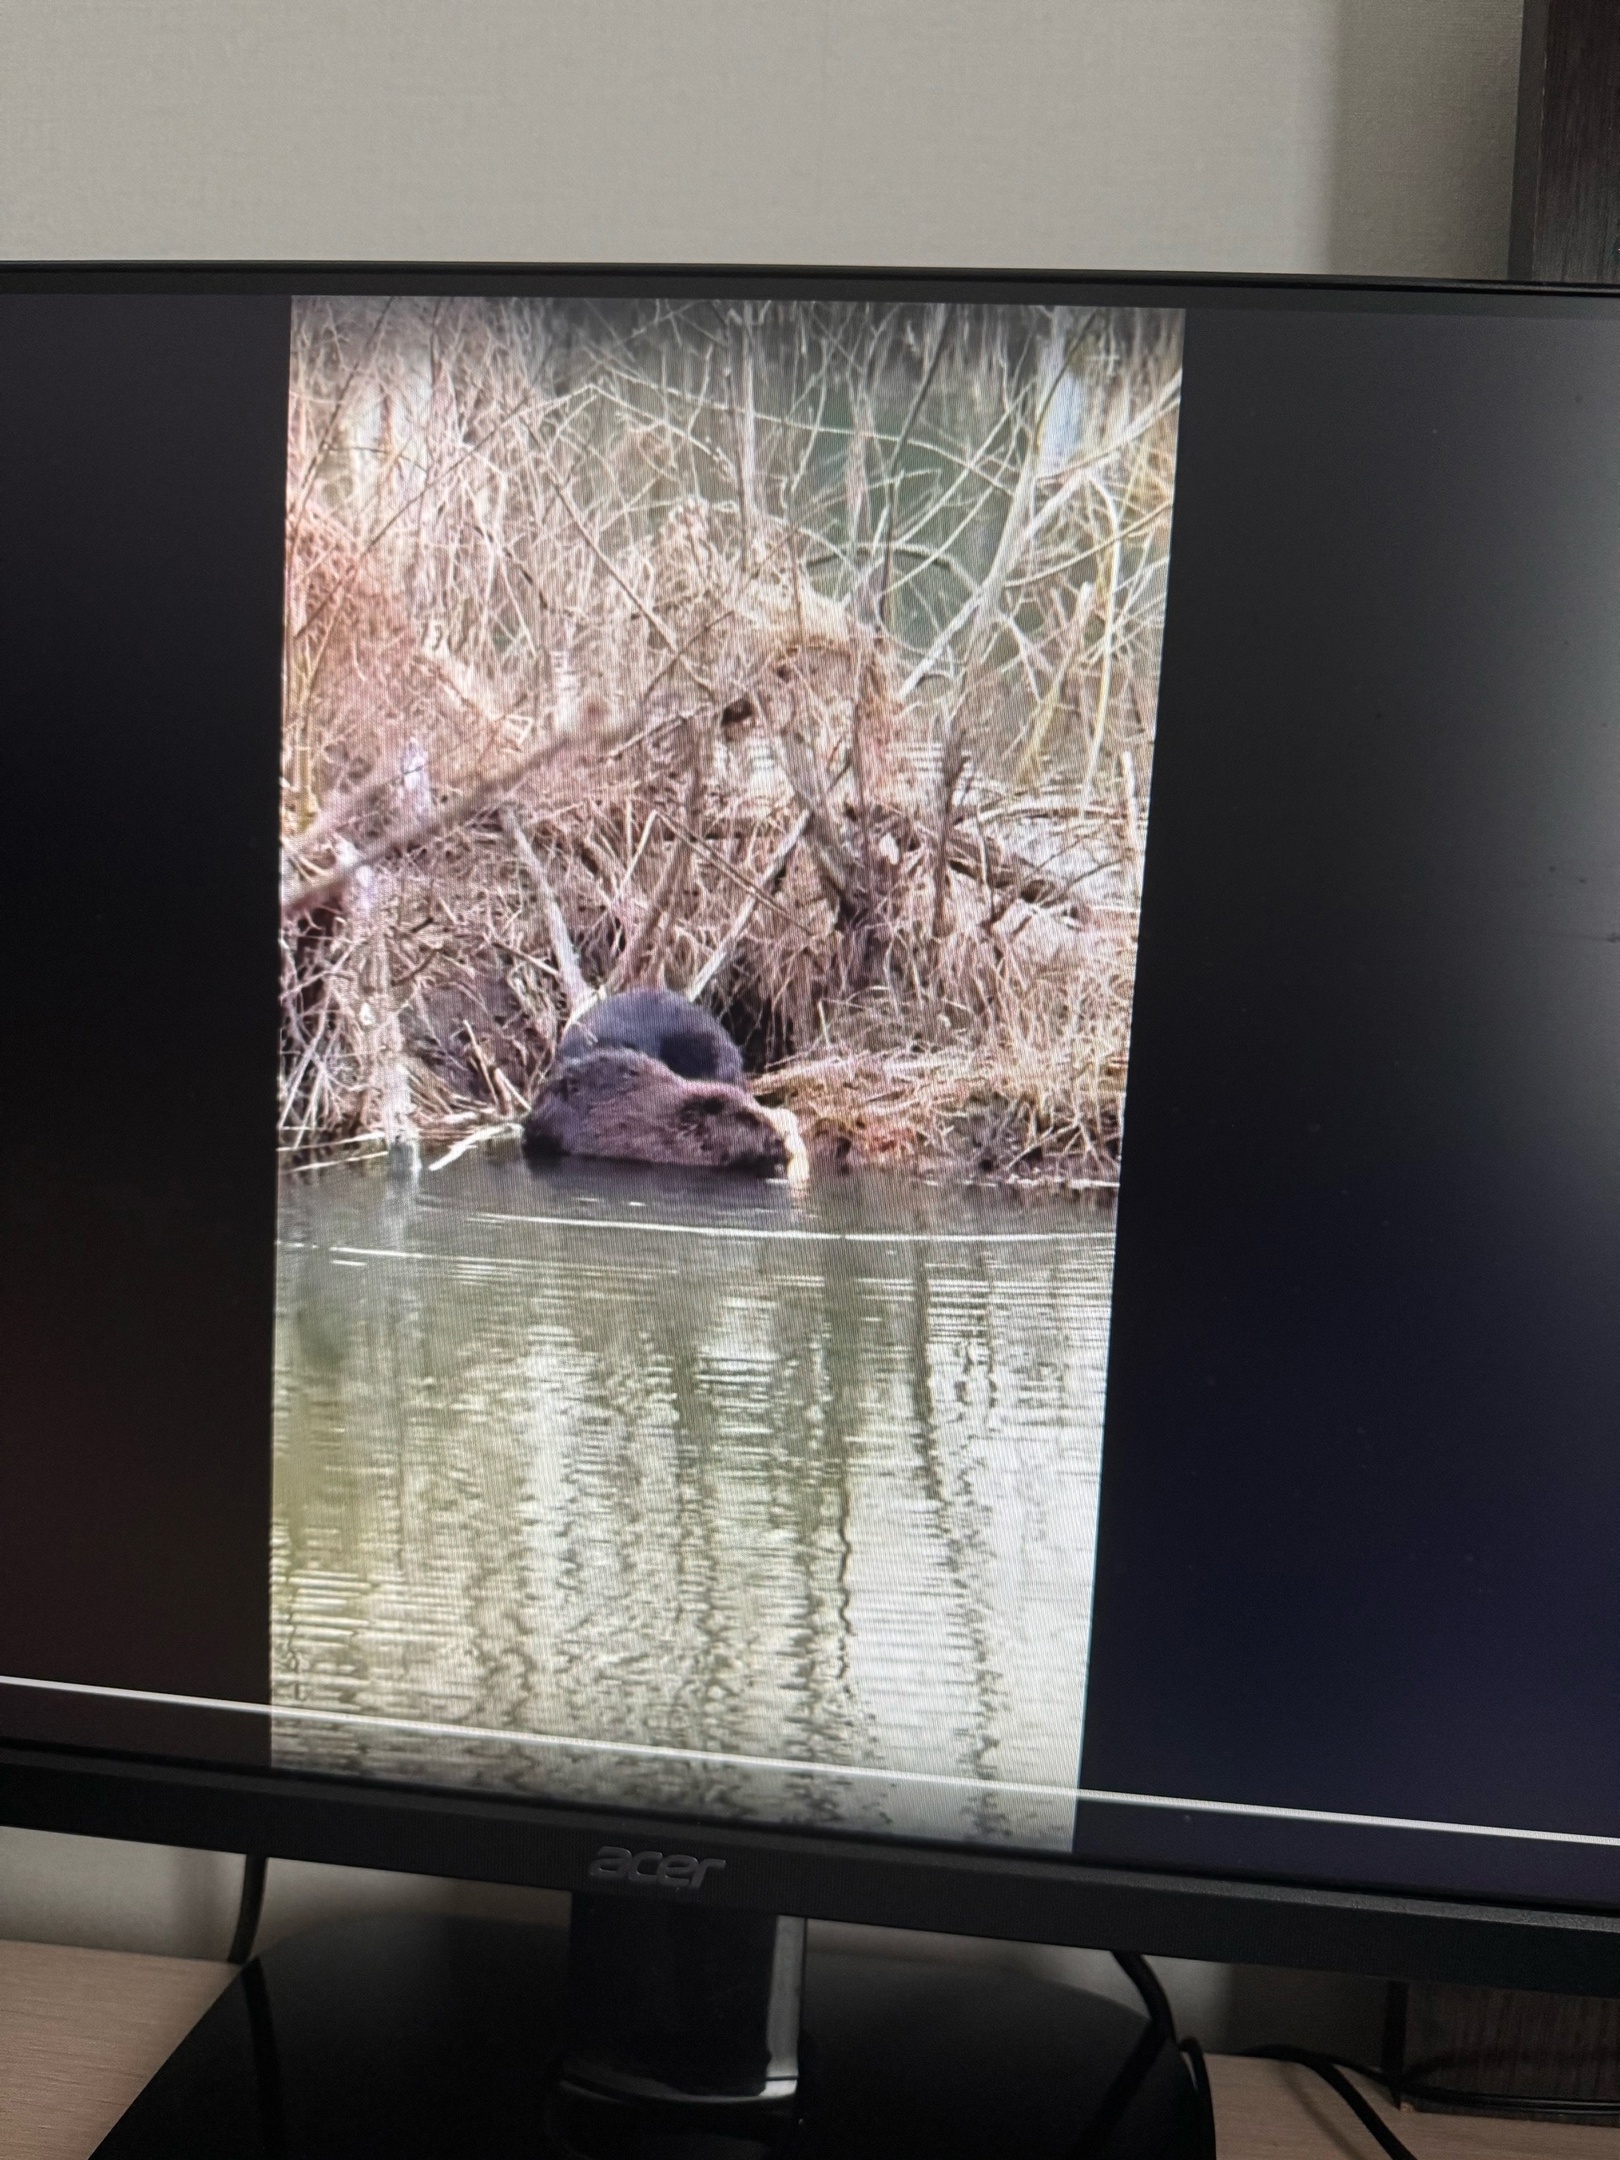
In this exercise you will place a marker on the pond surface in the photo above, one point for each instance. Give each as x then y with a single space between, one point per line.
677 1491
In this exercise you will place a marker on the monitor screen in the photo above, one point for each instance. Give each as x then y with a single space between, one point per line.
831 1054
715 770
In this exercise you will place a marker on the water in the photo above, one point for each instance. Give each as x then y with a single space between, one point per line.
677 1491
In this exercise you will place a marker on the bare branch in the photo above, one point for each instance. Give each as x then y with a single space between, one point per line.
322 891
774 873
578 991
645 941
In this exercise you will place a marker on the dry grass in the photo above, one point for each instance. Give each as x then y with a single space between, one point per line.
801 657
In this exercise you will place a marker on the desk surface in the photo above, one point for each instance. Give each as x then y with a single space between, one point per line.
82 2030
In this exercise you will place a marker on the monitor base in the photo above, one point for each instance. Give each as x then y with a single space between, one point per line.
409 2036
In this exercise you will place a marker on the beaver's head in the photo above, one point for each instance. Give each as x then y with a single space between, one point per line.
731 1132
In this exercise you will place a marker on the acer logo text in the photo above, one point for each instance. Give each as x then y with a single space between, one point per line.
673 1871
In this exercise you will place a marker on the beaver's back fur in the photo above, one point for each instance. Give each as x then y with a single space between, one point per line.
621 1106
660 1024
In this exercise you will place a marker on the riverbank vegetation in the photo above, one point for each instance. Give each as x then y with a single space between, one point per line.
801 657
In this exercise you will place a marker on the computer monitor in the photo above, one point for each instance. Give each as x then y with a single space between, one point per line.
813 1090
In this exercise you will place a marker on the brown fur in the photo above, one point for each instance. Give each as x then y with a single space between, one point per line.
622 1107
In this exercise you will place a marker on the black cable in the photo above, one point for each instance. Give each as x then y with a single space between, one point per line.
1128 2081
266 2062
1392 2050
255 1867
1538 2106
1162 2024
1155 2001
1469 2100
1328 2070
1201 2086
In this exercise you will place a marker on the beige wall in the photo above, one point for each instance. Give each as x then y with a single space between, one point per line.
1361 135
1341 135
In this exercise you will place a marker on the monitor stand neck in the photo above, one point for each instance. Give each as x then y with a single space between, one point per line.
681 2019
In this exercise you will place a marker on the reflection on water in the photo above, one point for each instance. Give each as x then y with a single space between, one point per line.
775 1504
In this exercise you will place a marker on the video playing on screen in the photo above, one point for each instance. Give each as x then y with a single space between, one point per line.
716 757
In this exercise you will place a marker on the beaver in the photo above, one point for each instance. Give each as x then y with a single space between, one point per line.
660 1024
624 1106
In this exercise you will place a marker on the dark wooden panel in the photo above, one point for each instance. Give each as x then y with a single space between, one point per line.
1549 2055
1566 183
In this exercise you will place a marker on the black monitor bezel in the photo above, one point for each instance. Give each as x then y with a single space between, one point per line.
825 1875
946 1889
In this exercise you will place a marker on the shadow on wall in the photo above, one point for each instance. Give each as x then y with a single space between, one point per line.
111 1894
1421 171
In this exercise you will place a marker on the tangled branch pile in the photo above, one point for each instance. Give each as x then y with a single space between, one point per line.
802 657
